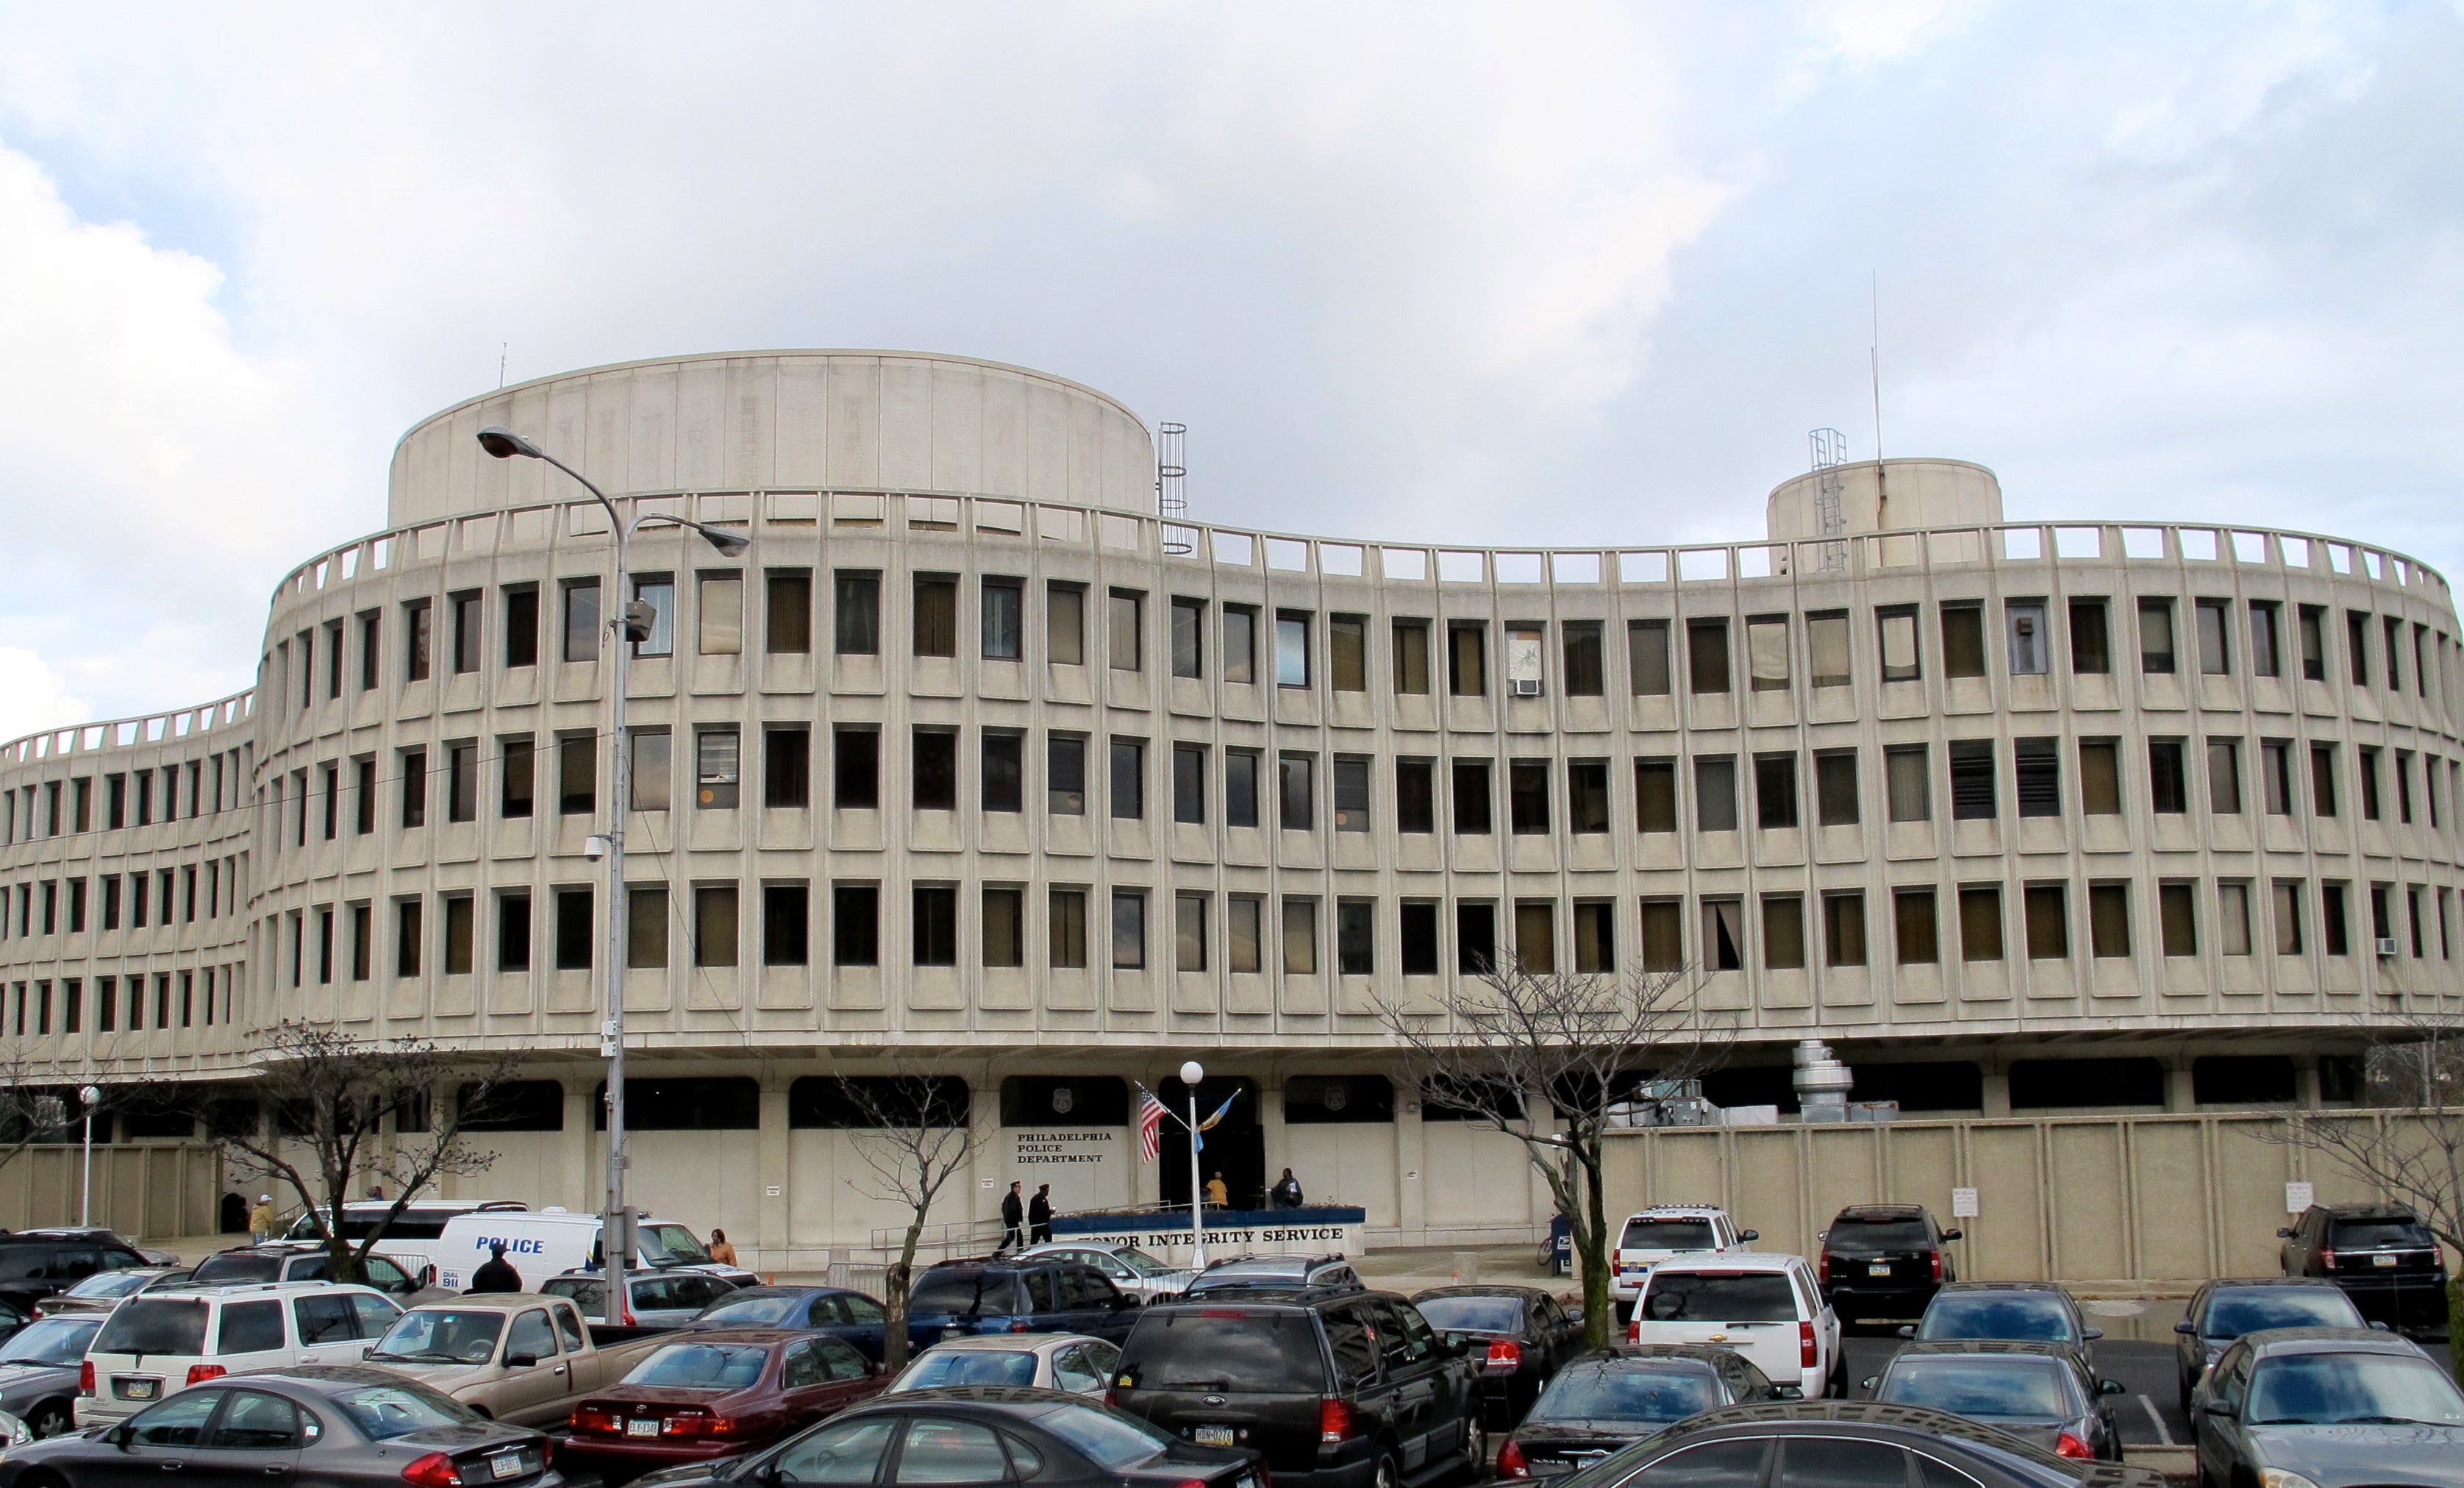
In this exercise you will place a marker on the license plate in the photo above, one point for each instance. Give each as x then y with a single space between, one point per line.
641 1428
510 1465
1211 1435
1542 1467
1880 1268
2382 1260
137 1389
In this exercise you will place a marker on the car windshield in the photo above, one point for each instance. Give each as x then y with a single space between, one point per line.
53 1341
1645 1233
758 1310
1141 1261
1719 1297
239 1268
2028 1317
964 1292
2378 1235
1874 1237
2013 1388
1473 1314
2352 1387
1114 1441
702 1367
1629 1391
440 1335
111 1283
670 1245
587 1293
384 1411
1225 1348
2241 1310
155 1325
968 1367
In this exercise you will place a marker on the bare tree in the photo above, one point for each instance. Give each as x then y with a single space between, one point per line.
1501 1048
2409 1145
31 1114
387 1112
917 1134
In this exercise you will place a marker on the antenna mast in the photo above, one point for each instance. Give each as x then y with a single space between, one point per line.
1873 365
1830 449
1171 492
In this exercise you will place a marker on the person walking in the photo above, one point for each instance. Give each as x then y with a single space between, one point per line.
720 1251
1287 1192
495 1273
1039 1216
1013 1222
1216 1193
260 1220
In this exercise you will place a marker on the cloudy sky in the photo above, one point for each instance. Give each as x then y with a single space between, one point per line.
1502 273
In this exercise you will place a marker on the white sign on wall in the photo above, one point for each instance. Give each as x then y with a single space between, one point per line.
1087 1167
2298 1198
1962 1204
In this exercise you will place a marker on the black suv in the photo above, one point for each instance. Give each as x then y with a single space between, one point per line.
1883 1261
962 1296
34 1267
2382 1257
1340 1389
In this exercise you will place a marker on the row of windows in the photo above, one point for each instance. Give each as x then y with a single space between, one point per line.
1247 786
1242 643
58 807
1289 934
53 906
122 1002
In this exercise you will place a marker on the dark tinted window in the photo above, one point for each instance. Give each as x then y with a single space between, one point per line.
2024 1388
255 1422
154 1325
2247 1309
239 1269
1741 1297
2371 1234
250 1327
1714 1464
1637 1390
1476 1314
965 1292
1227 1349
1871 1236
1666 1235
2028 1316
1837 1462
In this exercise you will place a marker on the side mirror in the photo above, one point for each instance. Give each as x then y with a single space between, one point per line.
2284 1235
119 1435
1454 1340
1907 1330
368 1351
1869 1382
2108 1387
1954 1234
2091 1334
2186 1329
1787 1393
521 1361
1125 1302
2220 1407
1749 1234
2379 1328
1574 1312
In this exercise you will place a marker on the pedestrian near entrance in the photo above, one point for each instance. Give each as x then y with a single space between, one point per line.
1039 1215
1287 1192
1013 1221
720 1249
260 1220
1216 1194
495 1273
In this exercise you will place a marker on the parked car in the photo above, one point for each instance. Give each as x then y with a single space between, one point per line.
310 1426
2040 1392
1519 1339
101 1234
297 1260
2331 1406
1765 1307
511 1356
159 1344
1654 1235
1339 1387
39 1370
1850 1441
2018 1312
2380 1255
34 1265
715 1394
660 1299
1131 1269
850 1317
104 1290
1044 1361
1611 1398
975 1436
1250 1273
959 1297
552 1242
1884 1261
2224 1310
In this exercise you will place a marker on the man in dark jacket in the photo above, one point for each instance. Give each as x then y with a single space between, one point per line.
1287 1192
1039 1216
496 1274
1013 1222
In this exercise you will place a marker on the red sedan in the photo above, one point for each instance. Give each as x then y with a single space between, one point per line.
712 1396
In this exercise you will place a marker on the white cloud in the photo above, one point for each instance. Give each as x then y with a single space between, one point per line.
34 696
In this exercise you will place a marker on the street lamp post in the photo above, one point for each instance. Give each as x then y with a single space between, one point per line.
1191 1074
89 1096
632 619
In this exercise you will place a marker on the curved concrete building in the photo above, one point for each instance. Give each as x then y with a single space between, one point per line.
971 765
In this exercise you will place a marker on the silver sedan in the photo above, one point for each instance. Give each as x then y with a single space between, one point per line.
1131 1270
38 1371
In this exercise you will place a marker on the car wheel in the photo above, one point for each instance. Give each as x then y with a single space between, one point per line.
1388 1474
51 1419
1476 1453
1838 1386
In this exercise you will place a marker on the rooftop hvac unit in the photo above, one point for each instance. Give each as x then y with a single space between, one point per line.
2386 945
1527 687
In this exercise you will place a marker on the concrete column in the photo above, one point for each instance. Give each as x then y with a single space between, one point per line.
2180 1094
1998 1093
982 1199
1411 1177
771 1169
1272 1137
2305 1082
582 1148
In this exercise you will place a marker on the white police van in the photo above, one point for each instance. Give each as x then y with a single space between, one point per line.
549 1242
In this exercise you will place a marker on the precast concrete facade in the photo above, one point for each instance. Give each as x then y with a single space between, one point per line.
973 765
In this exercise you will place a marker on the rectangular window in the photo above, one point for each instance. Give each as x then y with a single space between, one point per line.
2108 919
1767 654
1535 936
2313 624
715 933
1586 674
580 642
2214 617
573 927
1004 926
2156 637
2232 917
1646 643
1706 655
1835 787
1188 636
1898 630
1467 660
1300 937
2047 909
1129 930
518 770
934 623
1783 932
2101 777
1356 937
1241 645
1291 649
1245 932
1826 645
1189 783
1914 924
418 621
1127 779
2365 770
855 769
1189 932
371 644
1980 923
2168 789
1296 792
407 939
577 775
719 606
414 768
521 626
787 766
1475 937
658 591
1963 640
2394 653
1843 929
1064 624
1352 793
653 752
934 933
1973 796
1775 791
1595 938
2402 788
2091 643
1587 796
1723 935
1004 770
1527 797
855 613
935 762
2224 776
1066 929
785 925
787 611
1417 927
2322 779
2357 646
1411 657
1655 795
2177 918
2266 655
1416 795
2023 625
719 760
1003 603
1715 793
465 607
1065 771
1471 798
2036 772
855 925
1241 788
1123 617
513 930
458 914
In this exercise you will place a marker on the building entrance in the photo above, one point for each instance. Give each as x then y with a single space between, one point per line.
1236 1147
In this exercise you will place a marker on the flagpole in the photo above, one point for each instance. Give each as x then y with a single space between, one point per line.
1191 1074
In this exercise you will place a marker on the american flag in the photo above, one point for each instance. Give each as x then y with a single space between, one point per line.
1150 1115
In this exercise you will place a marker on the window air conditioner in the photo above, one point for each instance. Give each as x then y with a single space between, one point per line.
1527 687
2386 945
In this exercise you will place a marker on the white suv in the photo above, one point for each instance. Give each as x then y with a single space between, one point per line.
1768 1308
158 1344
1654 1235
